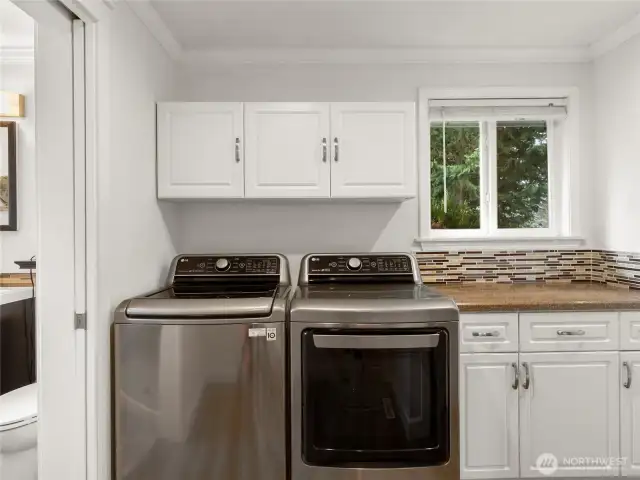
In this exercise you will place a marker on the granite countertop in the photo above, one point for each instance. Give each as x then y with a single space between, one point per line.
540 296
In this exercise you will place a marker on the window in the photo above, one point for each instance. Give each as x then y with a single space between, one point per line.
522 174
455 175
495 167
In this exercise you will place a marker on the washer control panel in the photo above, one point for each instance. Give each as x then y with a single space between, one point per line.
359 264
231 265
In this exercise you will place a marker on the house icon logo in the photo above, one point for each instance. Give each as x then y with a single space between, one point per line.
547 463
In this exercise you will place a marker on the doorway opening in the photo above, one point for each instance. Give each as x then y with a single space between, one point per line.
42 285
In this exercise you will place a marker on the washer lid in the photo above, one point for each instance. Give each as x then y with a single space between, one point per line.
211 308
19 407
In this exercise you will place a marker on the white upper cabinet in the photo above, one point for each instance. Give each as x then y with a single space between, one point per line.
200 150
373 150
287 150
489 415
569 409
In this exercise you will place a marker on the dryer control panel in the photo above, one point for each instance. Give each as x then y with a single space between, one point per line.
371 264
367 267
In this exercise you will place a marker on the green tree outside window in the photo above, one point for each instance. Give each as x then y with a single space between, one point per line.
522 175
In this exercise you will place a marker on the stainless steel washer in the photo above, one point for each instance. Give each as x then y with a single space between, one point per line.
199 391
374 372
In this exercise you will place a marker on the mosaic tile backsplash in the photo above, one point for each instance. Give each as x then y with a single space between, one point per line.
519 266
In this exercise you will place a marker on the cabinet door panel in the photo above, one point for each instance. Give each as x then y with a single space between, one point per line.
570 410
488 416
373 150
630 413
200 150
287 150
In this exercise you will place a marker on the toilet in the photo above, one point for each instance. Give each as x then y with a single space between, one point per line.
19 434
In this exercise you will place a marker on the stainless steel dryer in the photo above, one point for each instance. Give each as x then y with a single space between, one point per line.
374 372
199 391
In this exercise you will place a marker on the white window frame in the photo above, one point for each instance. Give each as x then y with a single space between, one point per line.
563 228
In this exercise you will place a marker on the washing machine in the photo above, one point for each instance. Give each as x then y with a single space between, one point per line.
200 372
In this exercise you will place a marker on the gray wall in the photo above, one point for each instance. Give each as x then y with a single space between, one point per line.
295 227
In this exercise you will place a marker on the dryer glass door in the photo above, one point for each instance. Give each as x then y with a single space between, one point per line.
375 398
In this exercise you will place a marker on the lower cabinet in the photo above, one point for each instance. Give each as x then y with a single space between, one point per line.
514 408
630 413
489 415
568 408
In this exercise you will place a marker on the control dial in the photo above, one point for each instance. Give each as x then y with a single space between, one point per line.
354 263
222 264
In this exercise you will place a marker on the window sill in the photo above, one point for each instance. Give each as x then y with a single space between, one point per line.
484 243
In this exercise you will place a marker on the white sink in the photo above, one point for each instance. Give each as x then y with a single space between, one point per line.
14 294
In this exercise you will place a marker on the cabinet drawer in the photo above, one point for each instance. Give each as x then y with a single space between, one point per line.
569 331
490 332
629 330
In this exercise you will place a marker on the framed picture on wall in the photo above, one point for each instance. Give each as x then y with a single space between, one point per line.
8 180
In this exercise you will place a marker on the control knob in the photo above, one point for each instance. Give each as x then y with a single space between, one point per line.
222 264
354 263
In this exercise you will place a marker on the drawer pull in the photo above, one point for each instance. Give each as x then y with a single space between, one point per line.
571 332
516 376
486 334
627 384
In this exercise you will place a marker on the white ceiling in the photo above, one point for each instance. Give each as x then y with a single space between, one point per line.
16 27
214 25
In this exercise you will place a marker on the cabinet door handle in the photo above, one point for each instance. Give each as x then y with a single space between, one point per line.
237 149
516 376
571 332
527 380
336 149
486 334
627 384
324 150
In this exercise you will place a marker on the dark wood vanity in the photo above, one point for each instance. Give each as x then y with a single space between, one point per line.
17 344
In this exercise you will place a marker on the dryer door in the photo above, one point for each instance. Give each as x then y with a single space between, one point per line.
375 397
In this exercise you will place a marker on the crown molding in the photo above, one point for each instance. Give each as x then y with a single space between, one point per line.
616 38
152 20
386 56
16 55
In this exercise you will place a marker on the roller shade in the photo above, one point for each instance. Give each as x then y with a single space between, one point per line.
497 108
